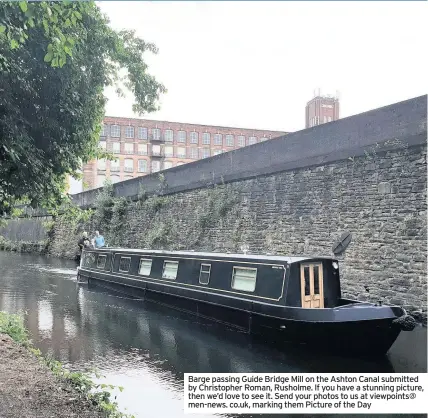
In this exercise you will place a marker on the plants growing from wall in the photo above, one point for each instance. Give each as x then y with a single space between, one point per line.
117 229
70 213
160 224
104 206
220 200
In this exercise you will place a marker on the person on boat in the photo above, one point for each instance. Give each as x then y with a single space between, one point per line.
98 240
83 241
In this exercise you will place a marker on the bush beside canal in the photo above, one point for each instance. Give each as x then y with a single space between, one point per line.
23 247
39 384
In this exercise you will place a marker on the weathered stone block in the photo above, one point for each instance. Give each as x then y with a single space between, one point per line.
384 188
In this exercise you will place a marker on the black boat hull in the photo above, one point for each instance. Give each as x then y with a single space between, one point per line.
355 331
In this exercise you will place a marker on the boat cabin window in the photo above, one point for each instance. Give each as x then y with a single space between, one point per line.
124 264
307 280
101 262
244 278
89 260
145 267
204 274
170 269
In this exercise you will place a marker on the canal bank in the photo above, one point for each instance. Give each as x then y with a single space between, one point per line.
35 386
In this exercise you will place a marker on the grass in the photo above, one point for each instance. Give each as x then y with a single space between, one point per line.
13 325
98 394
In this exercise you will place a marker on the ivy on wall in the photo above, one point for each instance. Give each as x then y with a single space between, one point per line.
111 216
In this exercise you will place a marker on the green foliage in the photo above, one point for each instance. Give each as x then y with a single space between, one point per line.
56 59
154 203
104 203
163 232
70 213
59 23
109 214
97 393
23 246
117 228
49 226
220 200
142 195
158 234
13 325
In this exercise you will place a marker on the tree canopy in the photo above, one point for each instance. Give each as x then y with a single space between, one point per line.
56 58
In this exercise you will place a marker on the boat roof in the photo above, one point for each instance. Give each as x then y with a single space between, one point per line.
281 258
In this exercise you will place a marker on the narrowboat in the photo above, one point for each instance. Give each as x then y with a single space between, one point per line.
278 298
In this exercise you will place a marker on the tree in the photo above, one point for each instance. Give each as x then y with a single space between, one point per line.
56 58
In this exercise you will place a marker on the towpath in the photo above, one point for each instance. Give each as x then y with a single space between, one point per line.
29 389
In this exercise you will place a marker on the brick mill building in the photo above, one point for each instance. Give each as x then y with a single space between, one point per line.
147 146
321 109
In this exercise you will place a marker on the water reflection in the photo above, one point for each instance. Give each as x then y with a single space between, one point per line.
146 347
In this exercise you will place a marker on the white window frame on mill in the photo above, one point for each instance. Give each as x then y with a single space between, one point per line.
193 153
101 178
129 131
181 152
206 138
155 166
115 166
116 149
169 151
129 147
102 164
142 164
194 138
205 153
169 135
218 139
128 165
156 133
142 132
115 131
181 136
104 130
142 149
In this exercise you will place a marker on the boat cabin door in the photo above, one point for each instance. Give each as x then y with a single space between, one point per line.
311 284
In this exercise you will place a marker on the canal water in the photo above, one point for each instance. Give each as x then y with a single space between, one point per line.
146 348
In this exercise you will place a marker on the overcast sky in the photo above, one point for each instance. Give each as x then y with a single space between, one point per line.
256 64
